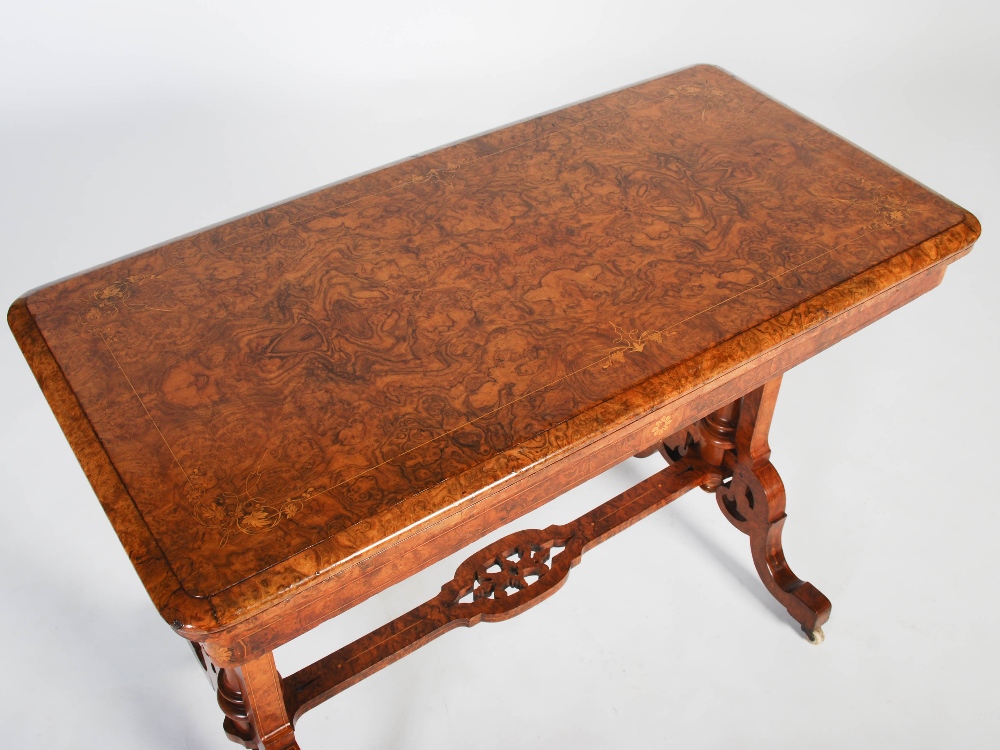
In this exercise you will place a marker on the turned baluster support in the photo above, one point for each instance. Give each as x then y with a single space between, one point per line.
237 724
252 699
718 434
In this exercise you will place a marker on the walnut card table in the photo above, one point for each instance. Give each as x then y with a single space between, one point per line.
287 413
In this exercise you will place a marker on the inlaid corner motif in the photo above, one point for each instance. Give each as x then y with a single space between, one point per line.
630 341
115 297
888 211
244 512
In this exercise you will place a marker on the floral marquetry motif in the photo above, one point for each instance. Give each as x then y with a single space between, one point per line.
244 512
631 341
114 299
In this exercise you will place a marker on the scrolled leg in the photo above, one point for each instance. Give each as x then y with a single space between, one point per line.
754 502
751 494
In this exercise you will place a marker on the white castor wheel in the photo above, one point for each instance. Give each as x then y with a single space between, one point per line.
815 637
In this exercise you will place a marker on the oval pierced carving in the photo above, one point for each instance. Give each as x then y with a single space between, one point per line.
513 573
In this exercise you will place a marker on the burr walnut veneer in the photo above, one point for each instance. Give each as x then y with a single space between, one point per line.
289 412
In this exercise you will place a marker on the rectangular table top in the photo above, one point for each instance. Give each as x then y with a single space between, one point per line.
274 396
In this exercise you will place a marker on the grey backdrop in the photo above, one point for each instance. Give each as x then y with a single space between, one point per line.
123 124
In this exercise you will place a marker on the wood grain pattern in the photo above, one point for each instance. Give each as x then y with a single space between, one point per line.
265 406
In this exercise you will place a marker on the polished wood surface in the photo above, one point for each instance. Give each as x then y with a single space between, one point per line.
287 413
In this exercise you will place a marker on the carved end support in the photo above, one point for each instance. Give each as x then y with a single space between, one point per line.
751 494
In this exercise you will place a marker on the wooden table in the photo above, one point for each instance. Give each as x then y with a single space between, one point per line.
286 414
